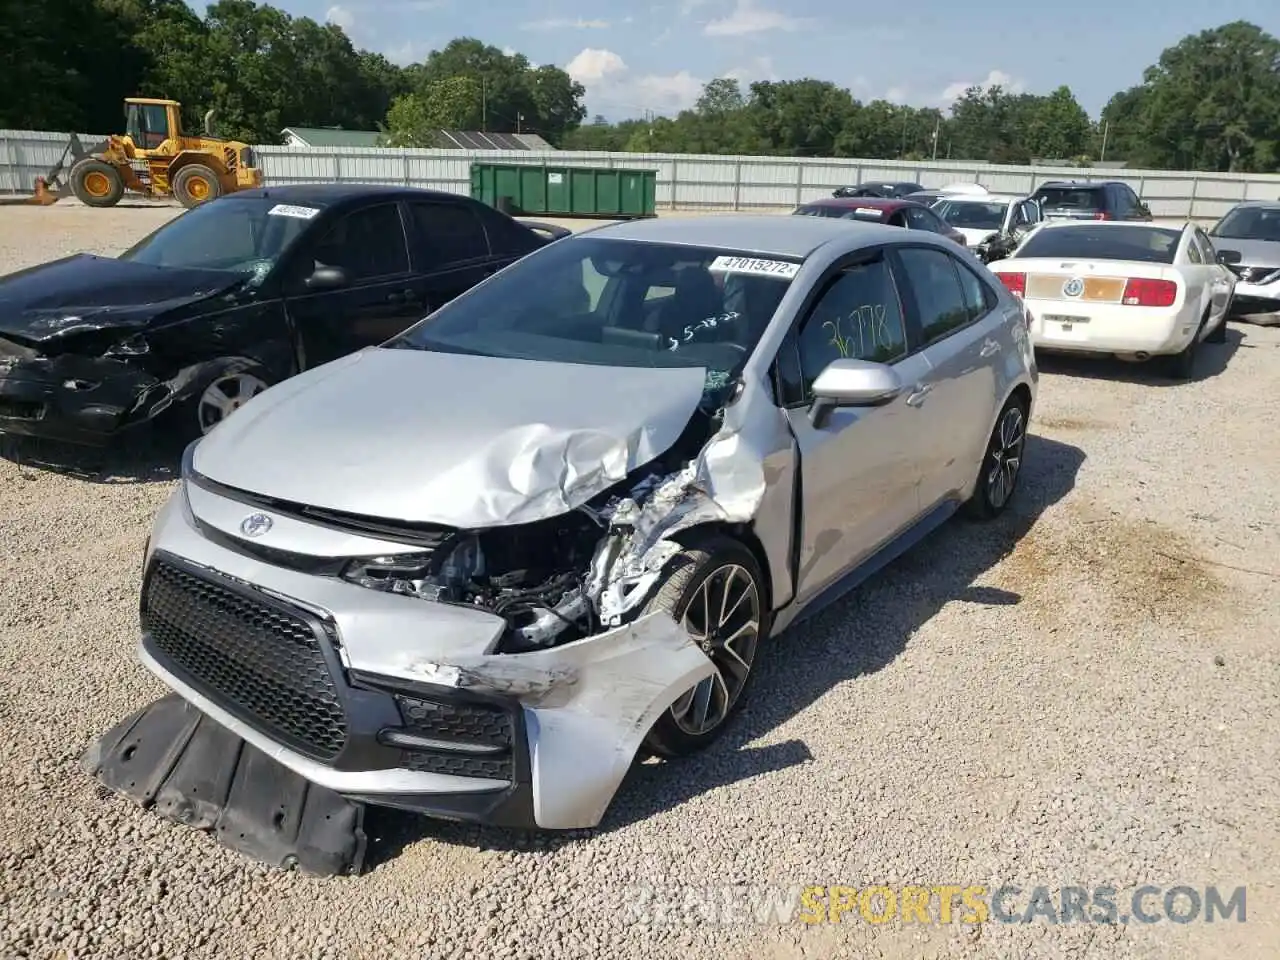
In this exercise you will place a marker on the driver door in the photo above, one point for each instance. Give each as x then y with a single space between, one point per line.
861 468
379 299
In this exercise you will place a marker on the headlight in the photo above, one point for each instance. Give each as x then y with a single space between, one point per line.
433 574
188 459
134 346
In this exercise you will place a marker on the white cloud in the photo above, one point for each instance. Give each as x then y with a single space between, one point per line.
996 78
668 94
340 16
592 65
896 95
611 83
747 18
560 23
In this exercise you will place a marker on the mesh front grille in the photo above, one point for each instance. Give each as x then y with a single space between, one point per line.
459 765
251 656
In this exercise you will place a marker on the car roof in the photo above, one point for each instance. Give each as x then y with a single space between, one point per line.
1259 204
325 194
981 197
1112 224
779 236
1077 184
887 204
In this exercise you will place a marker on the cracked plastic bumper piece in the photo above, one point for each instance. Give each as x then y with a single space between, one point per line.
171 758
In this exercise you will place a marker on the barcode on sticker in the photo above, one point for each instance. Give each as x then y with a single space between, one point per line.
289 210
764 268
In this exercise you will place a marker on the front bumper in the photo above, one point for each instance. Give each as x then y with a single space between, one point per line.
1254 299
395 700
75 399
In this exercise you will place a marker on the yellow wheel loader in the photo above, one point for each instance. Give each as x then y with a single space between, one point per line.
152 159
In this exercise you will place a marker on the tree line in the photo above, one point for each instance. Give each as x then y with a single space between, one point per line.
1210 102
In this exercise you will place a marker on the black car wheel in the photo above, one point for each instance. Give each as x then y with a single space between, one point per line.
1218 334
1001 464
715 591
1182 365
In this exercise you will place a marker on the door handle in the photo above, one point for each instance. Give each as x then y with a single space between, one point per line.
918 394
402 296
395 296
990 347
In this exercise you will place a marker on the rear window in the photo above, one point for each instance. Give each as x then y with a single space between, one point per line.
839 213
1118 242
972 214
1071 198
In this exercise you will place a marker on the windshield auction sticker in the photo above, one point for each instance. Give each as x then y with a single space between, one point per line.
761 268
288 210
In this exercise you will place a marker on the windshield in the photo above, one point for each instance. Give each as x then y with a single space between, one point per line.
1122 242
839 212
622 303
972 214
1250 223
1070 198
240 235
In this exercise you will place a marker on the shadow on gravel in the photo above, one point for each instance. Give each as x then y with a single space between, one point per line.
1212 362
798 668
140 458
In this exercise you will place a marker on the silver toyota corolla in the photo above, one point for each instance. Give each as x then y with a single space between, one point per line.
472 571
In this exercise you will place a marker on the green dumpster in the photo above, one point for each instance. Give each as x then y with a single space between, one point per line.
542 190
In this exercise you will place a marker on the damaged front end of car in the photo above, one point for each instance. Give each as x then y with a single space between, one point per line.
86 381
504 674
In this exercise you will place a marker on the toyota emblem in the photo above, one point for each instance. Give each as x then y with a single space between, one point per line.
255 524
1073 287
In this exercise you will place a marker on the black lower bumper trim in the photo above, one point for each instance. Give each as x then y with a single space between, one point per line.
170 757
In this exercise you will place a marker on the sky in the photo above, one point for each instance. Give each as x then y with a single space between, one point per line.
637 58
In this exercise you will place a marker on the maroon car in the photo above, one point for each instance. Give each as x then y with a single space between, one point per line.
896 213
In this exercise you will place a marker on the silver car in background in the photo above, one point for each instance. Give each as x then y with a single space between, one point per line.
1247 241
472 572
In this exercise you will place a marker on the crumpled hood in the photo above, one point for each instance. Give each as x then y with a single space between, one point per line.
85 292
465 441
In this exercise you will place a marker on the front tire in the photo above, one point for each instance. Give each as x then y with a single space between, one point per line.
1001 463
195 184
715 590
96 183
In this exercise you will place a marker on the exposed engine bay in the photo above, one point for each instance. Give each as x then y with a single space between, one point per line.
560 579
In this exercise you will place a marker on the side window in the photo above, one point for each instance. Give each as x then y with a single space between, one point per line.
919 219
450 232
1032 211
978 298
937 292
368 244
857 317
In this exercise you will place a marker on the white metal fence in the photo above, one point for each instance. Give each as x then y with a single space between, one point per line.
687 182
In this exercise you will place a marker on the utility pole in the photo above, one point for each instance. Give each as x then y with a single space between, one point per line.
484 106
937 129
1106 130
519 121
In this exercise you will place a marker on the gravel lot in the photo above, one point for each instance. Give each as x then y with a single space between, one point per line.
1086 692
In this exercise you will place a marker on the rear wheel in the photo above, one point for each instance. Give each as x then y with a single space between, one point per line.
715 591
195 184
1219 333
1182 365
1001 464
96 183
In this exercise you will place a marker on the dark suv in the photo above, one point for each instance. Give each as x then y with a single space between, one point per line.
1090 200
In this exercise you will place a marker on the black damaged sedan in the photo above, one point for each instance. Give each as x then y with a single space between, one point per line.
232 297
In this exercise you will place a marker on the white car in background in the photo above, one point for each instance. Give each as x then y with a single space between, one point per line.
993 224
1132 290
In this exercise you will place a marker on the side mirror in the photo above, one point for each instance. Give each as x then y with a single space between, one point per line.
853 383
1229 256
327 278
